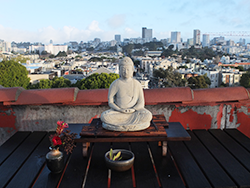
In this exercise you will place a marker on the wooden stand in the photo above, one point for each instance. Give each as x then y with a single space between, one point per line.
96 133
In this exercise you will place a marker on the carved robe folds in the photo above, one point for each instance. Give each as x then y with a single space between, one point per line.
126 95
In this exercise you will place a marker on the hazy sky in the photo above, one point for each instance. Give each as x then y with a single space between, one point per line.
80 20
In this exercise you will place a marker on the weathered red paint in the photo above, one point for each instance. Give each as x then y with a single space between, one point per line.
231 118
219 116
96 116
191 119
243 120
7 117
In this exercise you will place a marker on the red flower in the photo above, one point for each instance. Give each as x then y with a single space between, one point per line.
61 126
56 140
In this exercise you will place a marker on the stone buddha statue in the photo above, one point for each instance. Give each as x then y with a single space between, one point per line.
126 102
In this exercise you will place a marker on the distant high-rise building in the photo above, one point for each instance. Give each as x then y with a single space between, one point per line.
51 41
197 38
205 40
147 33
118 38
230 43
218 41
190 42
176 37
242 42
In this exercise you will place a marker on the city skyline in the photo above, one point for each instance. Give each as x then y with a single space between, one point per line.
29 21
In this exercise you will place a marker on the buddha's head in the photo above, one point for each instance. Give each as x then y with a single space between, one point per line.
126 68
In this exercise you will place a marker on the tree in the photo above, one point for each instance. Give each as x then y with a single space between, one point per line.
42 84
197 82
44 53
159 73
128 49
61 54
245 80
241 68
207 80
169 51
60 82
173 78
78 56
183 67
97 81
13 74
170 77
223 84
51 56
137 63
95 59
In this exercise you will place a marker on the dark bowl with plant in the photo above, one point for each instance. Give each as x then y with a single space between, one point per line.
119 159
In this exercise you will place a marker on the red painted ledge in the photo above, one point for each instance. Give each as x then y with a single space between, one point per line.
45 96
168 95
216 95
92 97
74 96
10 93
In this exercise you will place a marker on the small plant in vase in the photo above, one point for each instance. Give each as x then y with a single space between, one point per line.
115 157
55 158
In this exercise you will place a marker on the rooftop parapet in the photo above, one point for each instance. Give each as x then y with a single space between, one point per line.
36 110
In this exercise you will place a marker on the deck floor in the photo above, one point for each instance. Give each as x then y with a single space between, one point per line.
213 158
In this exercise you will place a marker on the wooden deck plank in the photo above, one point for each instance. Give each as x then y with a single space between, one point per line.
25 162
176 132
168 175
188 167
213 171
144 172
98 172
32 166
233 147
11 144
233 167
121 179
46 179
76 169
239 137
12 164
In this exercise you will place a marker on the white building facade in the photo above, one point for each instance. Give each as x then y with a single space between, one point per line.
50 48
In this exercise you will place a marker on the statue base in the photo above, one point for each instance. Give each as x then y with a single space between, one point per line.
137 127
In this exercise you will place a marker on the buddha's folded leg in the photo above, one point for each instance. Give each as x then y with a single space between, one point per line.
141 116
115 118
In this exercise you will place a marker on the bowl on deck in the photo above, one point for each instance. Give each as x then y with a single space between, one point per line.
125 163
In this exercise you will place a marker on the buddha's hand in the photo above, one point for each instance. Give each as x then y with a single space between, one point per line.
129 110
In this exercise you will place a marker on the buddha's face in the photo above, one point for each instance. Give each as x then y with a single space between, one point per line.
126 71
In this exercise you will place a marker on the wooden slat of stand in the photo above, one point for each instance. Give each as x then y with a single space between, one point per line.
96 129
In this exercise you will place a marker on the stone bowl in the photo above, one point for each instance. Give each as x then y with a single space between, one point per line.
124 164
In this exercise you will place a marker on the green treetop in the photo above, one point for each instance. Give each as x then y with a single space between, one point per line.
13 74
97 81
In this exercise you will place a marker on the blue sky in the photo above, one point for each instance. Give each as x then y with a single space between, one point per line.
80 20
